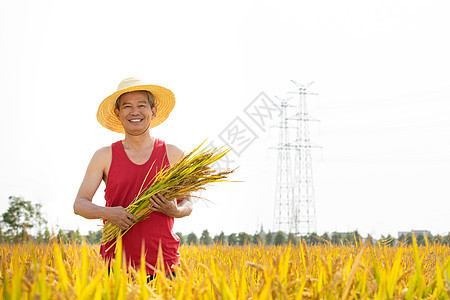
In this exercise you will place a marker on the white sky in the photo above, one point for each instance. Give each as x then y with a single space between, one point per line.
381 68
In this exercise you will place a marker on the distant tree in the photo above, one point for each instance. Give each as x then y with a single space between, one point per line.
408 239
182 238
205 239
388 240
348 238
279 238
91 237
312 239
46 236
438 239
257 238
420 239
351 237
336 238
98 236
70 235
1 233
325 237
62 236
243 238
39 238
446 239
38 219
75 236
220 239
357 236
192 239
232 239
371 240
292 239
18 217
269 238
405 239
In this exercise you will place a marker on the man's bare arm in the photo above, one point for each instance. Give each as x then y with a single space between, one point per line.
83 205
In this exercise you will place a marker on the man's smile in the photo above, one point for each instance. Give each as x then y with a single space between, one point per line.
135 120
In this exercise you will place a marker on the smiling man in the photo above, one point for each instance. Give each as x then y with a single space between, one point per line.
133 109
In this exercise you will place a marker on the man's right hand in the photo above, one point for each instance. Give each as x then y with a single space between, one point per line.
118 216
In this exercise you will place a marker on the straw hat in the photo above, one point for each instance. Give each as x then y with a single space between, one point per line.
164 102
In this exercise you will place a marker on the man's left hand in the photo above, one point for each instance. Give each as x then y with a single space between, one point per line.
163 205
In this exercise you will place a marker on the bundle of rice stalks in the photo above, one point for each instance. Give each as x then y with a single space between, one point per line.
190 174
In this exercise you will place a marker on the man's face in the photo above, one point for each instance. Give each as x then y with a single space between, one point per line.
135 112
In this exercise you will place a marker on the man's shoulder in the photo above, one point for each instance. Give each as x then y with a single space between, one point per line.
103 154
103 151
174 153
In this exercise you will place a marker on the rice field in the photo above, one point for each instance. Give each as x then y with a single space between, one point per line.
359 271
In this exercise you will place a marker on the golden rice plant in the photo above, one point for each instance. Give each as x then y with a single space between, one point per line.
359 271
190 174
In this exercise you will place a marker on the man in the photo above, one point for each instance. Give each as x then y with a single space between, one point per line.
133 109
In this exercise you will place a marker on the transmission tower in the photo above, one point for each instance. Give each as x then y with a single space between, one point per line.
304 206
294 201
284 193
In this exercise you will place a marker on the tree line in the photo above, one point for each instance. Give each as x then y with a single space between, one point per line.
282 238
269 238
24 221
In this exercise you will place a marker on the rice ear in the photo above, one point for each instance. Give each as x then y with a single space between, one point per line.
191 173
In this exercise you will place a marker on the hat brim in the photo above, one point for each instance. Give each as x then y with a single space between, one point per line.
164 103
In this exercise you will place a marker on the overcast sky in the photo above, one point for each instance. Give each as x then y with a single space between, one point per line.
381 70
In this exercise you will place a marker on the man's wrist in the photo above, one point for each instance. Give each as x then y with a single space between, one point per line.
182 212
103 212
178 213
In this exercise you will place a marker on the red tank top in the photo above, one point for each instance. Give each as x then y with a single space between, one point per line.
124 181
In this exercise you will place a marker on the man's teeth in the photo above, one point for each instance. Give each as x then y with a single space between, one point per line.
135 120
